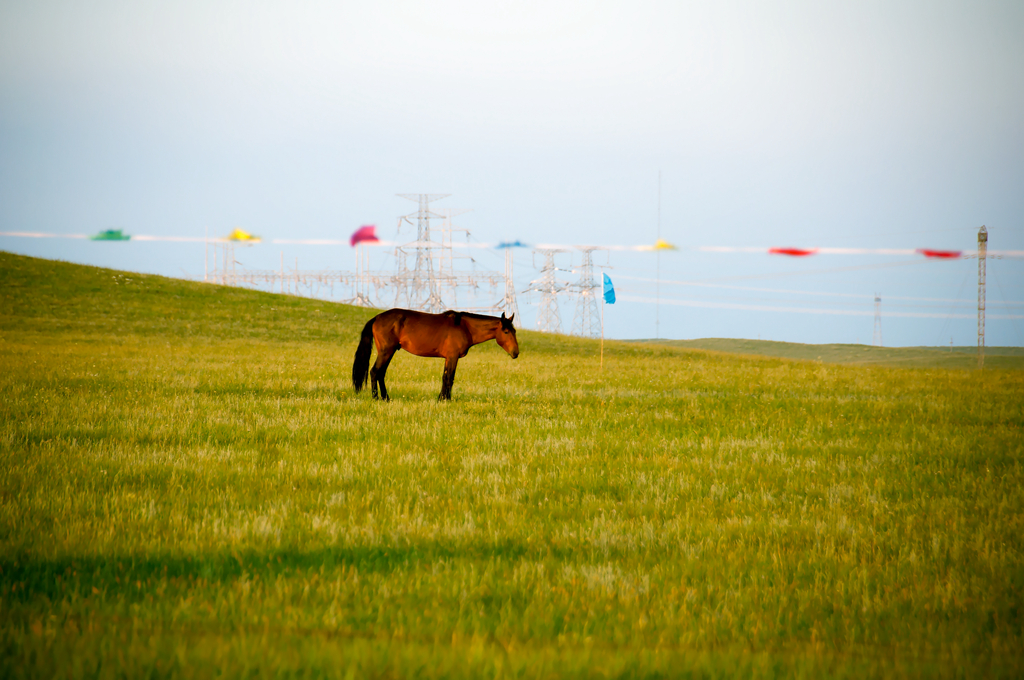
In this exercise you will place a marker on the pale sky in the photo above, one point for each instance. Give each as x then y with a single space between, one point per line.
871 125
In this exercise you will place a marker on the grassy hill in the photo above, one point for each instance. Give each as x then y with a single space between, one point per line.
189 486
860 355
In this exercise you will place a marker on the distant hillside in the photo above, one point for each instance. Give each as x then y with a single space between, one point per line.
863 355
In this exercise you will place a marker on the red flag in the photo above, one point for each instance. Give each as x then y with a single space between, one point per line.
942 254
365 233
796 252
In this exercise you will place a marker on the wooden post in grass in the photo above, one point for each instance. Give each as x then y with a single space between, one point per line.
608 297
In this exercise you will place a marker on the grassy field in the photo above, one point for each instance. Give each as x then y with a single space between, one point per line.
191 488
860 355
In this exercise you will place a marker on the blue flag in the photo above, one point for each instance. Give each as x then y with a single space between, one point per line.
609 290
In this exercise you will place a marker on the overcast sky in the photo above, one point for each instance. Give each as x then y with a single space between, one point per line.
871 125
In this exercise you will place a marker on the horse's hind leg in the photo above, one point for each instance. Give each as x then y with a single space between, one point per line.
383 372
448 379
374 373
379 371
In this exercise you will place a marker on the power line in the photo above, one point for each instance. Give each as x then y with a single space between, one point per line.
859 296
806 310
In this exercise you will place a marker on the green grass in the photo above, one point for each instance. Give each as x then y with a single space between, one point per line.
860 355
190 487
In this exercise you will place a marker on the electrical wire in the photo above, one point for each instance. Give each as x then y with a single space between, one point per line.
963 283
999 285
806 310
698 284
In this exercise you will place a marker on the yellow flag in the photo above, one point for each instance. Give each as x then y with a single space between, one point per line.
240 235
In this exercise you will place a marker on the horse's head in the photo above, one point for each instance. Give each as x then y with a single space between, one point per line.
506 336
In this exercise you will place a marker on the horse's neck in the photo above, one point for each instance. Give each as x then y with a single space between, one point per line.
482 330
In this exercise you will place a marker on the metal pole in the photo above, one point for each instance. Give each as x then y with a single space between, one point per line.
657 294
878 320
982 254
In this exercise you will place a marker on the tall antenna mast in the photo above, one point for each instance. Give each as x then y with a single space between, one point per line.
982 254
657 299
878 320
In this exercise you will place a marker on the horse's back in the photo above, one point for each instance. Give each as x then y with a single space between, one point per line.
410 318
422 333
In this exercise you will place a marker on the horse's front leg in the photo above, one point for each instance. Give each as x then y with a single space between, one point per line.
448 380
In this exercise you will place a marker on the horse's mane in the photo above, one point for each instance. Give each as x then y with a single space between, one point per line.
482 317
471 315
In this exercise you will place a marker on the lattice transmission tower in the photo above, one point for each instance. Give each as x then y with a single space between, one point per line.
417 288
586 323
508 303
448 278
548 318
362 280
432 284
223 271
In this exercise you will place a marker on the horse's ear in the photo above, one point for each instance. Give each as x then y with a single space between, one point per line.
503 315
511 317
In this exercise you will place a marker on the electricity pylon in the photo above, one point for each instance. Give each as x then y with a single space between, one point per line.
418 288
548 319
586 322
508 303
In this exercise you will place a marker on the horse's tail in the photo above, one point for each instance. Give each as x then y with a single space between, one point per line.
361 365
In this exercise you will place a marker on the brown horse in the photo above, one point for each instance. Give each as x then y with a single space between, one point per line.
448 335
